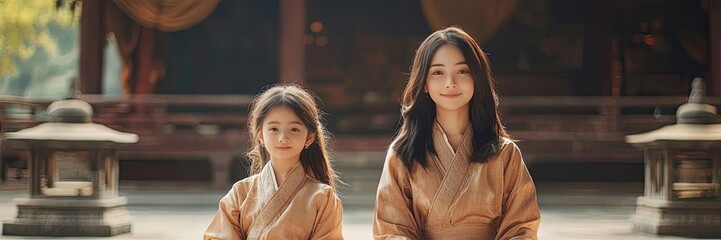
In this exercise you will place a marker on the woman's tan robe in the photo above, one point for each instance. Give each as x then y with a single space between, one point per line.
255 208
453 198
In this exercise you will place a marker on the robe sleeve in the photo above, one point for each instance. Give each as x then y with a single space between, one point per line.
393 217
521 215
329 221
226 223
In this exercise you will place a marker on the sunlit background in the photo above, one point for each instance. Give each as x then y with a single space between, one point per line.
575 78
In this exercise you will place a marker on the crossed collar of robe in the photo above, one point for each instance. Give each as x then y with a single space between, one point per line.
456 171
278 199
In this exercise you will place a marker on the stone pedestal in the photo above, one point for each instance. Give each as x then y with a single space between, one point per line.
69 217
682 195
696 219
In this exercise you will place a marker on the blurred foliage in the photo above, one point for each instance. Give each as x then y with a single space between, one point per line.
24 28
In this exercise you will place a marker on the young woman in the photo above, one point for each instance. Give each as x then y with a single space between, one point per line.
292 196
451 172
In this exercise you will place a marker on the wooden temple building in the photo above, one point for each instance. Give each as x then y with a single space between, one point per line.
575 76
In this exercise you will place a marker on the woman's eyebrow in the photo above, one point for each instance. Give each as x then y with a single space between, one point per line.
440 64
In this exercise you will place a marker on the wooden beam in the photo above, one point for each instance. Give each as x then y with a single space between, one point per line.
92 44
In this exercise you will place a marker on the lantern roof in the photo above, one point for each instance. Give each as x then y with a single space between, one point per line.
70 111
695 122
679 132
70 121
73 132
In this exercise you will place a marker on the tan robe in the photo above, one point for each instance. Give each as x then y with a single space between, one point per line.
255 208
455 199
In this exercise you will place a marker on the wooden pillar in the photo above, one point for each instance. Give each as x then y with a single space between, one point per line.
292 51
36 156
597 52
714 17
114 177
92 44
144 62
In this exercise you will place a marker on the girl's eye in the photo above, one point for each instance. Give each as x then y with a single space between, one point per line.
273 129
295 130
464 71
436 73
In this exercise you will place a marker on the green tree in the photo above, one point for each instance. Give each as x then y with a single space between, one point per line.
24 28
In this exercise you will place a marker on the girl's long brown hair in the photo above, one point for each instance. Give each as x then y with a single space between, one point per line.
315 159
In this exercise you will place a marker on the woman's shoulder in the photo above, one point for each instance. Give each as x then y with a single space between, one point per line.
507 151
391 155
507 144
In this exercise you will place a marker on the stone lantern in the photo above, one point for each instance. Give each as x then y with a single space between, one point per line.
73 185
682 173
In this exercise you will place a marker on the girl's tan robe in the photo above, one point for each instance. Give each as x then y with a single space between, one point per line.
453 198
301 208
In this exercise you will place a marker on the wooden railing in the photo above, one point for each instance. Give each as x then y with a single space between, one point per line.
170 127
585 129
213 127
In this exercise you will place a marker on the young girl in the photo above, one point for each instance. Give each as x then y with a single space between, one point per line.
292 196
451 172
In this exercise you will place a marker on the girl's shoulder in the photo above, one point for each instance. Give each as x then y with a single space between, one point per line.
245 183
318 191
314 184
248 180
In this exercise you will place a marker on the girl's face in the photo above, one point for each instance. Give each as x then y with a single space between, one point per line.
284 136
449 81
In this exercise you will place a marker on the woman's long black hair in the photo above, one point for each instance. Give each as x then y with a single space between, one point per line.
418 112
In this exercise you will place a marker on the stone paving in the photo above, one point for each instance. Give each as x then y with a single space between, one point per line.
588 212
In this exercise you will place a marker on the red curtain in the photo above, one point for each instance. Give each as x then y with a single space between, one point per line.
137 27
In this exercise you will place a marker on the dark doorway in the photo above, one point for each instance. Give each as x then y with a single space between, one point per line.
233 51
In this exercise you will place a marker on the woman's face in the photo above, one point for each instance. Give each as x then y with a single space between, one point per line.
449 81
284 135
